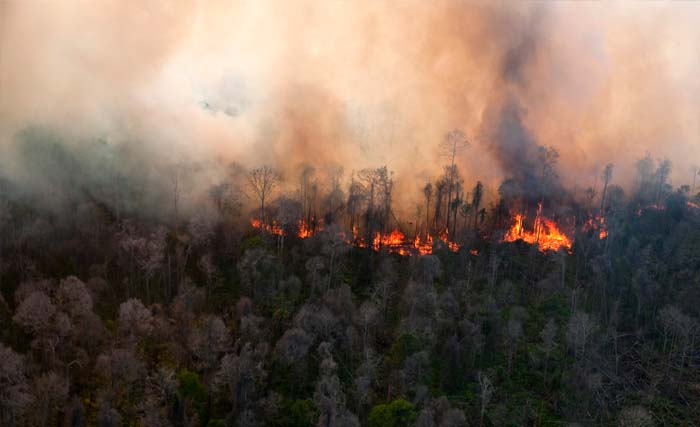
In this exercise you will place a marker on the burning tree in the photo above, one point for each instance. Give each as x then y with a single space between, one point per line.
263 181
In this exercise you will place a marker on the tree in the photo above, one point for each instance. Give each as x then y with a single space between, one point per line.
14 390
50 393
74 298
486 391
226 199
645 169
607 176
636 416
121 368
453 418
308 189
39 316
454 142
398 413
328 394
477 195
377 185
293 346
209 340
207 266
548 158
134 318
514 331
35 313
240 374
263 181
178 185
579 331
428 193
548 337
661 174
366 319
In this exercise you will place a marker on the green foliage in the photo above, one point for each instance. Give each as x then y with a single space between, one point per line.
192 389
190 386
296 413
404 346
399 413
252 243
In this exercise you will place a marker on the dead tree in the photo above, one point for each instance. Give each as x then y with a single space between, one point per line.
607 176
454 142
477 195
428 193
263 181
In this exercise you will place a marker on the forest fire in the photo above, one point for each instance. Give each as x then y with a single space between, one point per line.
394 241
545 234
273 229
597 223
304 229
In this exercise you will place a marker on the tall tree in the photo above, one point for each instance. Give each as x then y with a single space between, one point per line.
477 195
263 181
607 176
428 193
453 143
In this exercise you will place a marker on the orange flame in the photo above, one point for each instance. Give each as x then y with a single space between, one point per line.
394 241
304 229
545 234
597 223
274 228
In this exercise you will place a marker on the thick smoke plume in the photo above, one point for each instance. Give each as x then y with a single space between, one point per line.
353 84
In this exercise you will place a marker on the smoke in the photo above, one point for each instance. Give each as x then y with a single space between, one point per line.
355 84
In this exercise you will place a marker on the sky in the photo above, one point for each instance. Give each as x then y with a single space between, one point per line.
360 83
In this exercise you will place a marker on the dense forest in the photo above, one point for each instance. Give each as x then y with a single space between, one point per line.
276 301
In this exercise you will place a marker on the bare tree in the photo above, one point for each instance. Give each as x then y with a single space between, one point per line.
477 195
293 346
428 193
548 157
50 393
661 175
453 143
206 265
308 188
366 319
135 319
579 331
514 331
607 176
485 393
209 340
548 337
14 390
263 181
177 174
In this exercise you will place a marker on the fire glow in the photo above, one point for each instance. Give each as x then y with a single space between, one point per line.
545 233
597 224
394 241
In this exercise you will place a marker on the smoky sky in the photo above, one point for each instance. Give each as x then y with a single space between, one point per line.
358 84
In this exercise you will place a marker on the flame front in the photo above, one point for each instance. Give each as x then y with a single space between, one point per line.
545 234
394 241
